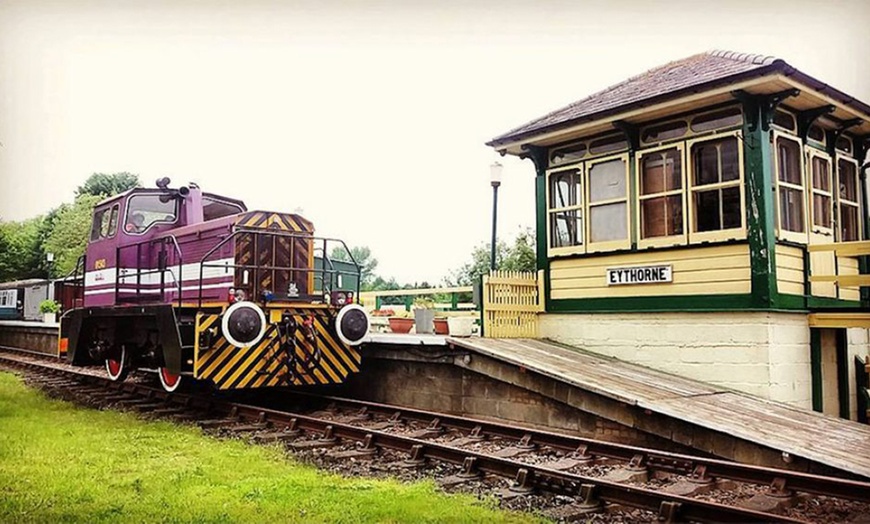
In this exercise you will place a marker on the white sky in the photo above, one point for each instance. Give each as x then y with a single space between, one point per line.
370 116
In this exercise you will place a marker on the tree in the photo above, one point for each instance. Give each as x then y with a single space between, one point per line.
517 256
108 185
362 255
68 235
21 254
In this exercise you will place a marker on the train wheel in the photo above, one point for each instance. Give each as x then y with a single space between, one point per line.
117 367
169 381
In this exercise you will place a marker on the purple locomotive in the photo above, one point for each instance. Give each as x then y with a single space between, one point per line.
192 284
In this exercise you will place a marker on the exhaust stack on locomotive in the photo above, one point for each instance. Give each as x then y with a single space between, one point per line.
192 284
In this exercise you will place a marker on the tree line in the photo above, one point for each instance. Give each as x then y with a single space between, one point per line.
64 230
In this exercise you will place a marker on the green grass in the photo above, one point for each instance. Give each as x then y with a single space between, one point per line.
59 463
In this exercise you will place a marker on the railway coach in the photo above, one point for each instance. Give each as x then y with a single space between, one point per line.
191 284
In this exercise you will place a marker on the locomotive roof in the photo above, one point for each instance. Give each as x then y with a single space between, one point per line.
678 79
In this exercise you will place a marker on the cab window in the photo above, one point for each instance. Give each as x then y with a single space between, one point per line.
213 208
144 211
105 223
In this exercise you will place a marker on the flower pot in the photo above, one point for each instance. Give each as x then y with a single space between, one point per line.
460 326
49 318
401 325
441 326
424 319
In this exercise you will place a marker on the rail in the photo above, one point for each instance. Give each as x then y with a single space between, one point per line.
257 268
161 269
454 302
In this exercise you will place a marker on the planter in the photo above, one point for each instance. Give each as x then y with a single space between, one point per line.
49 318
424 319
460 326
441 327
401 325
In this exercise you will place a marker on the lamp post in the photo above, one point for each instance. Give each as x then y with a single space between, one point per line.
49 258
495 179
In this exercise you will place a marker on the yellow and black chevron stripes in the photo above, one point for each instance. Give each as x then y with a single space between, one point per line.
280 221
264 365
276 251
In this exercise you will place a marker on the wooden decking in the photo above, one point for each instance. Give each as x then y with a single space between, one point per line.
838 443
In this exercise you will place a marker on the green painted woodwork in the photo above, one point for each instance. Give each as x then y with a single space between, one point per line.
862 382
538 156
843 372
816 367
760 205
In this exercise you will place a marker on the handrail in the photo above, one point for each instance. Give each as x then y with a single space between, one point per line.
283 234
139 272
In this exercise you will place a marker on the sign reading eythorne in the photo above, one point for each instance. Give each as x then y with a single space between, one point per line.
619 276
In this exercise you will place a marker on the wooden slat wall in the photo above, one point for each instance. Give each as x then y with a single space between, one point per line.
848 266
696 271
790 270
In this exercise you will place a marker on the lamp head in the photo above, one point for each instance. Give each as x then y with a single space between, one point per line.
495 174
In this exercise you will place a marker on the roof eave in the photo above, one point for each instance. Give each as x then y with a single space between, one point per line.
775 67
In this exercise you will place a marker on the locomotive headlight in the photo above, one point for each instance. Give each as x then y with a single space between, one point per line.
352 324
243 324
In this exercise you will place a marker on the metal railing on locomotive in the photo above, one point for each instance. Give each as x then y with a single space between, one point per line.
333 274
162 268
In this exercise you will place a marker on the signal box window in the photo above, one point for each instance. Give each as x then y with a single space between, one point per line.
790 186
105 223
566 213
848 201
661 194
608 201
716 185
143 211
822 195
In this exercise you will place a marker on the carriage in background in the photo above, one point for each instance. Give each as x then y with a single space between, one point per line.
192 284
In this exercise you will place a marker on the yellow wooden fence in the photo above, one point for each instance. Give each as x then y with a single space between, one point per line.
511 304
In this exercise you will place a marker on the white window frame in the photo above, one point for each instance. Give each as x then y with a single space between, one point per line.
672 240
812 154
791 236
581 247
722 234
855 203
611 245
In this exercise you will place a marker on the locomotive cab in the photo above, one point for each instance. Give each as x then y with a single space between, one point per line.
193 284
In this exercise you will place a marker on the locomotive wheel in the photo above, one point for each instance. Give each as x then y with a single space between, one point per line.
116 366
169 381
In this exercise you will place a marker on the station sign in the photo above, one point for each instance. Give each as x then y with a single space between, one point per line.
620 276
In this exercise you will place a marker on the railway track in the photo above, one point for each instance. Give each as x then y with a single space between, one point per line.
533 461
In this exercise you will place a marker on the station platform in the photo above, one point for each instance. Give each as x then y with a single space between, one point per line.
709 410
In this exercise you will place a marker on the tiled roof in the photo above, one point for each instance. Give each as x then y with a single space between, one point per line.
672 78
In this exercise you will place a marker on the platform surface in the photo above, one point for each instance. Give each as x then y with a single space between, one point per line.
406 339
828 440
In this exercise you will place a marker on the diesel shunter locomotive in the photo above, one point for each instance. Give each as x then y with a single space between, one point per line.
191 284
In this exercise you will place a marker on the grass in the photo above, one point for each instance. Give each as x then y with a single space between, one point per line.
60 463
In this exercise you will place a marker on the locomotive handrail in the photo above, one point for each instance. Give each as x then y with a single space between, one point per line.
161 270
284 234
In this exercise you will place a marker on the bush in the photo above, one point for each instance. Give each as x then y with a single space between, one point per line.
49 306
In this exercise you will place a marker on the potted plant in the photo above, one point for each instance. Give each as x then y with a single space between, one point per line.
49 309
400 322
424 315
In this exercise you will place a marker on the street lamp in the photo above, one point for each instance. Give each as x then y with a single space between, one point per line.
495 179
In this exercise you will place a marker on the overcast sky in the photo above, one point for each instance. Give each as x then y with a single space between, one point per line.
369 116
